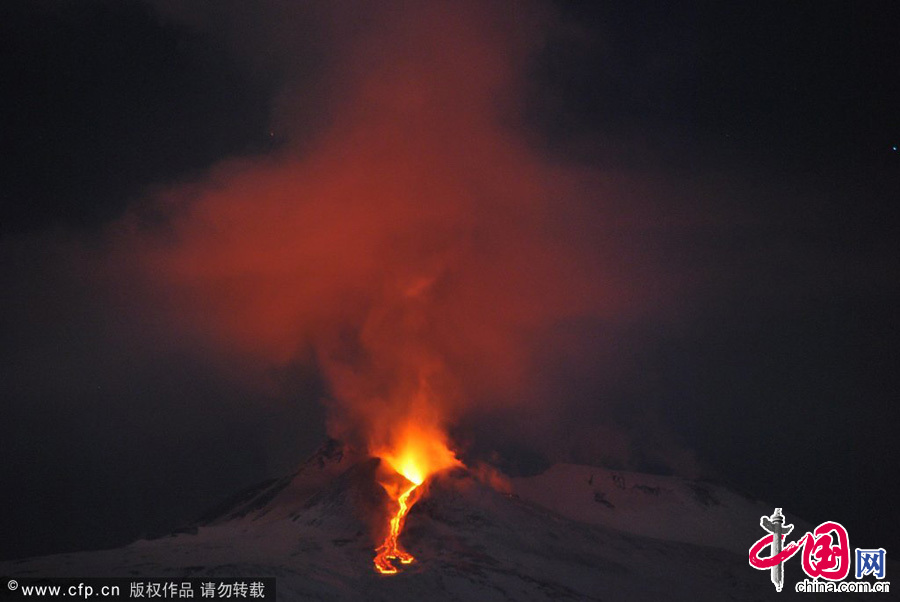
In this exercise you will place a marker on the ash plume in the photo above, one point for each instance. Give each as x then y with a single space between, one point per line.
414 242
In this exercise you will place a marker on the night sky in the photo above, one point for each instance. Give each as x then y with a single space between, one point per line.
751 335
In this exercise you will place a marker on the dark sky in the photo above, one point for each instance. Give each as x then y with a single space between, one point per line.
761 140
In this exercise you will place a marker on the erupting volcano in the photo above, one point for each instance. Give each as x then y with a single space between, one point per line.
648 537
423 452
418 255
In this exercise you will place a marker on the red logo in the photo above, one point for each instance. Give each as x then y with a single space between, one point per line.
826 550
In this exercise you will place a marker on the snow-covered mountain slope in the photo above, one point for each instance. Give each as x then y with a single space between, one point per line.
313 531
661 507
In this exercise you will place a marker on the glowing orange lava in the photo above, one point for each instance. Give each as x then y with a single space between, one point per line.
422 453
390 549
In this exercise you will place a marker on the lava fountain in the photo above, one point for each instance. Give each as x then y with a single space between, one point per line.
422 452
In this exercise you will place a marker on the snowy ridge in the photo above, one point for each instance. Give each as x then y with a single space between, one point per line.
315 531
661 507
328 463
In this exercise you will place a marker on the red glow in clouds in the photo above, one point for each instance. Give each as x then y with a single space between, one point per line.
418 246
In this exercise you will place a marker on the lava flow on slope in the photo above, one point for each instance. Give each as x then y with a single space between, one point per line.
422 453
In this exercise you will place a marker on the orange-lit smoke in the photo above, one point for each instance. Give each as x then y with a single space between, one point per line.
417 245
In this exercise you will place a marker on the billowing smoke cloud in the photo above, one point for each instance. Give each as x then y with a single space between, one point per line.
417 246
